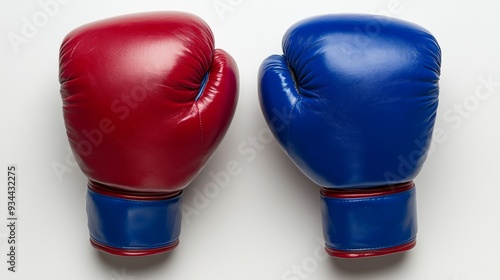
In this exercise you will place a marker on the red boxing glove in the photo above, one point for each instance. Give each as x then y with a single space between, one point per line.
146 101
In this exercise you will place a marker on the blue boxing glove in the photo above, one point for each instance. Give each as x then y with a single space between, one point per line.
360 93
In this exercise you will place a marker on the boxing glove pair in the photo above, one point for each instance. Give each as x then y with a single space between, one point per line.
147 99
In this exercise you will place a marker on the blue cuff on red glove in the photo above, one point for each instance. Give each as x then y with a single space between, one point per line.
133 225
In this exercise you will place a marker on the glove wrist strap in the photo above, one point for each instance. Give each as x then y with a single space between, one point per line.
369 222
133 225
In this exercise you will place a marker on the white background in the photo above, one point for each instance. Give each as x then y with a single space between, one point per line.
265 224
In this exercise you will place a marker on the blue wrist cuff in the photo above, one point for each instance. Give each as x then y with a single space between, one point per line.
369 222
127 226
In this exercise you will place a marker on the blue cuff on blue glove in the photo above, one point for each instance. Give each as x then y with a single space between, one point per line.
358 224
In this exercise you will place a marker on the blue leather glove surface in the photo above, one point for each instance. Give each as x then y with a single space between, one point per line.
361 94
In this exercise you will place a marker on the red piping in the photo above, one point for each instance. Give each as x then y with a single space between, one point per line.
368 192
106 190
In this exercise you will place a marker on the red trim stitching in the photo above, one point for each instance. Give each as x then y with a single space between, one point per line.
133 253
370 253
368 192
106 190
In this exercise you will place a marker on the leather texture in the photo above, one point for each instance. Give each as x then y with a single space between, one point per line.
115 221
355 223
360 94
146 100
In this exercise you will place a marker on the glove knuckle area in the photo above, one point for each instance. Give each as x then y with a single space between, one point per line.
171 50
335 52
357 82
133 80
